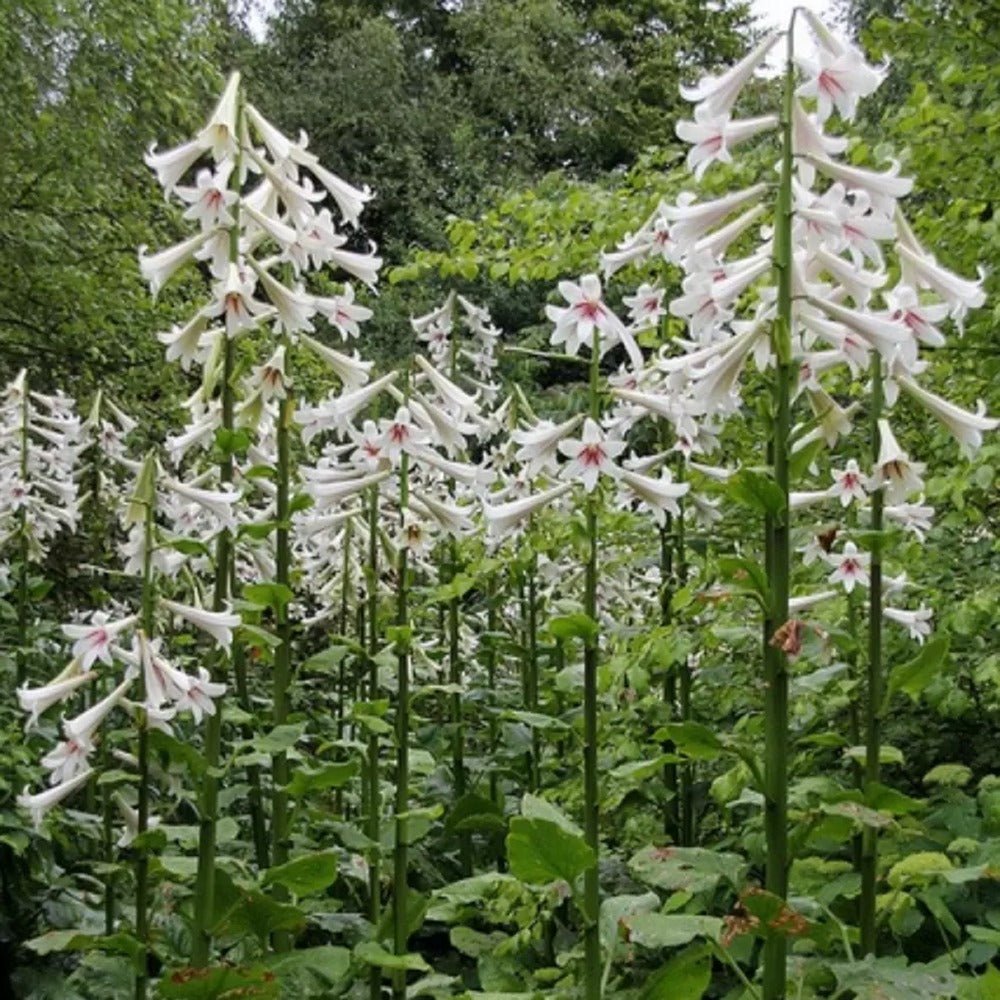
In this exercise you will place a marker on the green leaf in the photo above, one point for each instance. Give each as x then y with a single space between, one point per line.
669 930
328 962
372 953
756 490
891 979
575 626
687 869
268 594
685 977
614 911
76 940
334 775
306 875
219 983
280 739
258 914
475 814
692 739
911 678
540 851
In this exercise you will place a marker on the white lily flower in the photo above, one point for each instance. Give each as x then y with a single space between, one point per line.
461 402
82 727
40 699
800 499
342 312
199 698
716 95
838 80
67 759
575 324
352 371
591 456
401 435
172 164
849 484
93 641
967 428
504 517
210 200
658 495
350 200
370 447
234 299
294 306
891 338
451 518
691 220
218 624
805 601
912 517
893 470
917 623
713 137
883 188
185 342
326 493
219 503
809 139
157 269
539 444
39 804
850 567
922 270
164 682
131 818
219 134
462 472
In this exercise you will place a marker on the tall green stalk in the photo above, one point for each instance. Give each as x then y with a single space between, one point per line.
778 556
281 696
146 493
204 897
875 679
686 783
671 811
531 680
22 572
374 786
400 889
457 715
591 819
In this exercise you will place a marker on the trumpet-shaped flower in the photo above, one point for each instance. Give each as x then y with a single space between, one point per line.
850 567
657 495
342 312
838 80
849 484
967 428
917 623
218 624
576 323
893 469
591 456
912 517
82 727
401 435
164 682
40 804
199 698
712 138
158 268
93 641
210 200
716 95
539 444
505 517
67 759
40 699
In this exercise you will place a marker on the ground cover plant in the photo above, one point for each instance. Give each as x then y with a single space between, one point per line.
643 647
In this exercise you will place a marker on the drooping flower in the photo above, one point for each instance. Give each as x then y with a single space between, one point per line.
504 517
967 428
39 804
917 623
893 469
539 444
716 95
658 495
218 624
712 138
575 324
199 698
849 484
93 641
38 700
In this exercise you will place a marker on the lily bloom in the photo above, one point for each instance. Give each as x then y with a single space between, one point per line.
218 624
591 456
40 699
504 517
850 567
967 428
716 95
849 484
658 496
539 444
893 470
200 696
39 804
712 138
576 323
917 623
93 641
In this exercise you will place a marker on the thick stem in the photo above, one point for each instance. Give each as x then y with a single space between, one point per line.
280 832
457 717
778 559
400 889
534 772
873 703
591 817
374 786
141 850
671 814
492 623
686 789
23 553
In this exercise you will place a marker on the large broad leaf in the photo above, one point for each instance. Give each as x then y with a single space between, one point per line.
692 739
575 626
280 739
911 678
334 775
372 953
615 910
475 814
685 977
687 869
257 914
327 962
892 979
76 940
540 851
756 490
670 930
304 876
773 916
252 982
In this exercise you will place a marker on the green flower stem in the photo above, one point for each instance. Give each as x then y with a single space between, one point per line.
531 702
778 556
345 579
671 815
374 787
875 679
280 831
687 826
457 716
142 851
591 816
204 896
400 889
22 571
